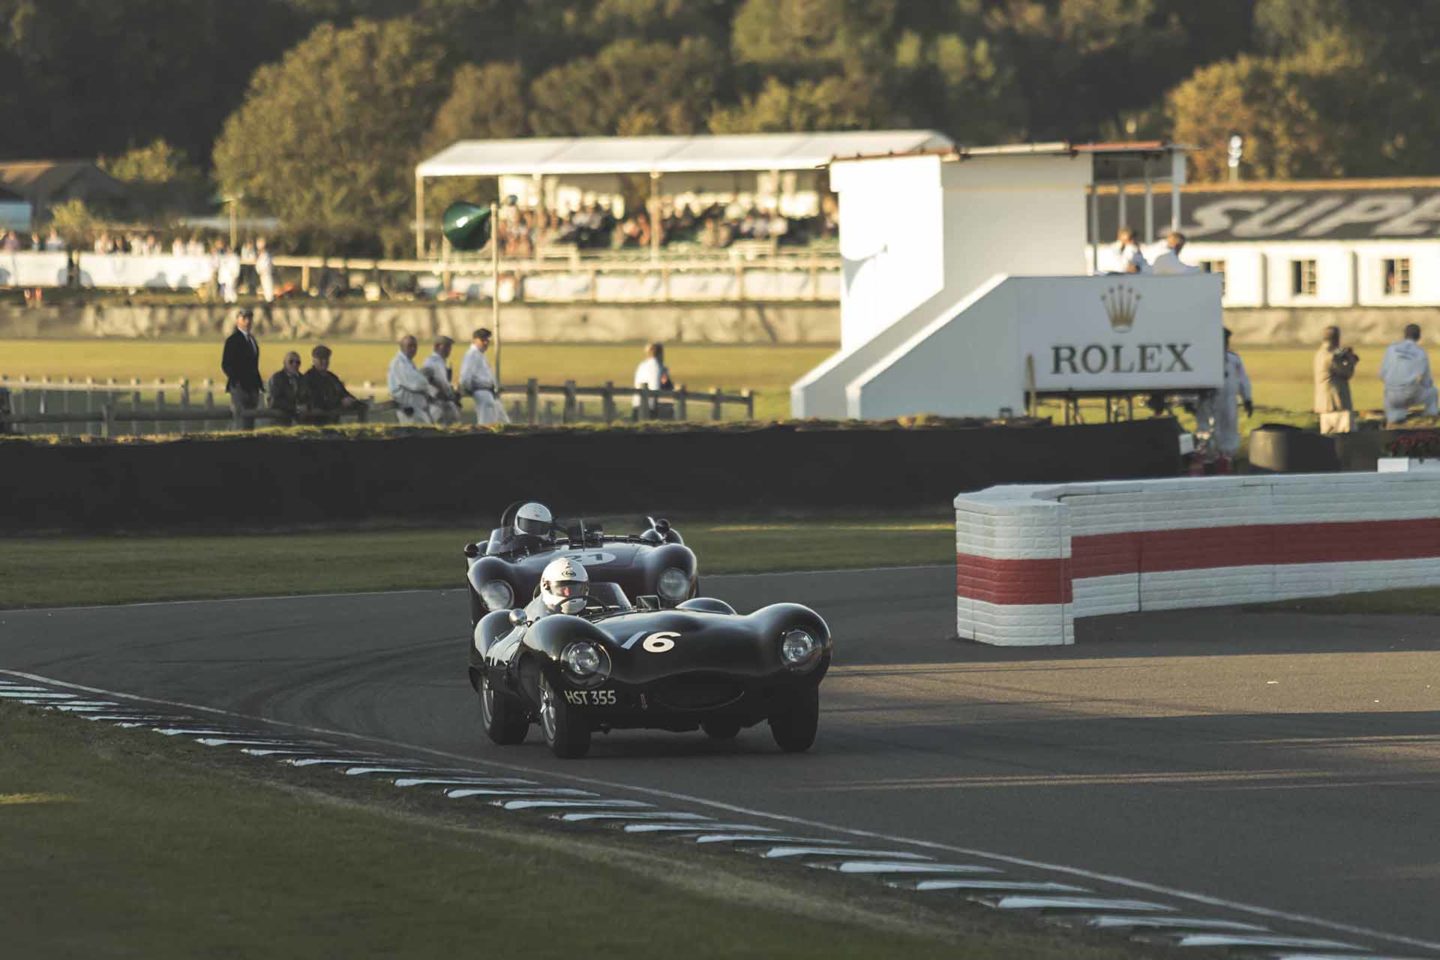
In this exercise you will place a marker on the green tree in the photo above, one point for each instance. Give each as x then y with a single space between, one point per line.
485 102
809 38
629 88
833 103
156 162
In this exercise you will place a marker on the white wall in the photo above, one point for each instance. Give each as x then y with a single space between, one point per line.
919 235
1350 272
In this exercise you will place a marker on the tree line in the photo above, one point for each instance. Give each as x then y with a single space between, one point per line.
317 109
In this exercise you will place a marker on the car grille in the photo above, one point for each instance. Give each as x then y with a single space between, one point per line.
697 693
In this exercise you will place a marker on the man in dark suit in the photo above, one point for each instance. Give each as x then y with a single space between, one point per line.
241 363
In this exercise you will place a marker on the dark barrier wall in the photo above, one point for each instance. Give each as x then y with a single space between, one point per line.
275 481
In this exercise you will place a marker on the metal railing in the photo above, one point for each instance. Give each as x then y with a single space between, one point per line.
115 407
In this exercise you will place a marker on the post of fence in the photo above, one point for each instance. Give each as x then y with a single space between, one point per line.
89 404
44 394
134 405
184 402
66 428
209 400
716 403
107 419
532 401
608 401
159 403
682 409
749 396
569 414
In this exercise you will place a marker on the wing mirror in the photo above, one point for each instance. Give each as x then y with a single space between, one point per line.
517 617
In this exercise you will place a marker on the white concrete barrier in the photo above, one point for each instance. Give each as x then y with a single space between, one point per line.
1031 559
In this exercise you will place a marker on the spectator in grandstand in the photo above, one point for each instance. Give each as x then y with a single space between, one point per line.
323 396
445 407
284 390
477 379
241 363
653 375
411 392
1406 372
265 271
12 242
1124 255
1169 262
1334 366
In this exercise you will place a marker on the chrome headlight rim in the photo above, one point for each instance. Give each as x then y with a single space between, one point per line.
799 649
680 585
496 595
585 663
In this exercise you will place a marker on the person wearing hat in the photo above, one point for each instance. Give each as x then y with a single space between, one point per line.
284 390
445 408
478 380
323 397
241 363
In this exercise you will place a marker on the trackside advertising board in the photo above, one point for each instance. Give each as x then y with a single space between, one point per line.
1124 332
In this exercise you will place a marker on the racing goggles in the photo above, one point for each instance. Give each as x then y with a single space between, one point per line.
570 588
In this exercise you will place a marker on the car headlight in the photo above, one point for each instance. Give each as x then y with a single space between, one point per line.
585 661
497 595
798 648
673 585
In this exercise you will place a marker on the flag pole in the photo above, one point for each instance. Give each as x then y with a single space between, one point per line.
495 285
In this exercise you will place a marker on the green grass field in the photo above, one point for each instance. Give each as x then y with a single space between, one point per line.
51 571
1281 375
126 844
767 369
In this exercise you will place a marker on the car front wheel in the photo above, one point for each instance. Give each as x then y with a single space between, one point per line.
566 733
793 725
504 719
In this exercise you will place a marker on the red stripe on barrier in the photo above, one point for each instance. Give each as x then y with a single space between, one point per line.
1045 580
1199 548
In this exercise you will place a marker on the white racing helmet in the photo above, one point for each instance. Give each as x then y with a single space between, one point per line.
534 520
564 586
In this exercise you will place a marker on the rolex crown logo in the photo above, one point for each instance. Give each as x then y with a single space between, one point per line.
1121 305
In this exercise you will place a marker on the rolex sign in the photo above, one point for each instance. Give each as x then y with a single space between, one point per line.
1123 332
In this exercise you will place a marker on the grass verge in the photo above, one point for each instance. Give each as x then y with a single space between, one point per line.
1417 601
68 571
122 843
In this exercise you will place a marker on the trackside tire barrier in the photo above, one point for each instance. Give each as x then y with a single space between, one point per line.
1031 559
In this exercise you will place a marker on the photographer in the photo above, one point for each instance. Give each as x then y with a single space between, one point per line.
1334 366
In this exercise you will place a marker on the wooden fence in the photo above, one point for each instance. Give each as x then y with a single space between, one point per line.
134 407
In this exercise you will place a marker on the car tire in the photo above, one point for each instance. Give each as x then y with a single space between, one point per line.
502 716
793 726
566 733
721 729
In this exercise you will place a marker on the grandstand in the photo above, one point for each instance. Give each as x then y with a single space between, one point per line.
706 191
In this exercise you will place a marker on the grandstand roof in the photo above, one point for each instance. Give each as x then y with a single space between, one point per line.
554 156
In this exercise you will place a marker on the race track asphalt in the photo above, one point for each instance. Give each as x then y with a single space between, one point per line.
1285 761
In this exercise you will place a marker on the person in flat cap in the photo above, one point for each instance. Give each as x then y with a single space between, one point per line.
478 380
323 397
445 407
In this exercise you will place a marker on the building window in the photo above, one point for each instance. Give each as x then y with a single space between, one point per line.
1215 266
1303 278
1397 276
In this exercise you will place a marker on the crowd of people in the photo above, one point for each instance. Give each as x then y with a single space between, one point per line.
524 232
12 241
426 393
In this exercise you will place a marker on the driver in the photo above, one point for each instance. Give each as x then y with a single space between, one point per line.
564 587
534 525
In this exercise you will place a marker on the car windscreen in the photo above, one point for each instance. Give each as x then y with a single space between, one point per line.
607 597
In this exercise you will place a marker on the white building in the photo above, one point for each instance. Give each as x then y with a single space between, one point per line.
1309 244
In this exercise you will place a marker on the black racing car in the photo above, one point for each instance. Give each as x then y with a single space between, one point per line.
504 572
698 665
